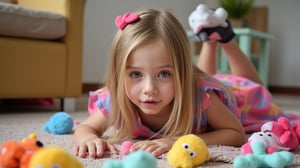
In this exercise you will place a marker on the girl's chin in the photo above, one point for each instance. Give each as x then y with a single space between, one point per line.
149 111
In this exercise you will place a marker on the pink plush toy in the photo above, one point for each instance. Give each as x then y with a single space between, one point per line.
289 137
125 147
270 141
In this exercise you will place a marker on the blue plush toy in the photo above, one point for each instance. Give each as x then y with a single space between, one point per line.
260 158
59 123
140 159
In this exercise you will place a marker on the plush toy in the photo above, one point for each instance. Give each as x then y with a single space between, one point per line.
125 147
53 156
188 151
203 17
15 154
289 136
31 145
140 159
59 123
260 159
10 154
210 25
269 139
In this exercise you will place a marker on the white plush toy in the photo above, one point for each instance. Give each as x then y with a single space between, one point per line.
203 17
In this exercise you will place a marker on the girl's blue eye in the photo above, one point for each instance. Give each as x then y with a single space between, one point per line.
164 74
136 74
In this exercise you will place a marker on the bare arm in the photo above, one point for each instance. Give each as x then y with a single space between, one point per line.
88 137
227 128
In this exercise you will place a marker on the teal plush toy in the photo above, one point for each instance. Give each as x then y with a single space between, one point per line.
140 159
260 159
59 123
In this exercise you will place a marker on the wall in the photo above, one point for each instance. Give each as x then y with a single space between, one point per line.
283 25
285 56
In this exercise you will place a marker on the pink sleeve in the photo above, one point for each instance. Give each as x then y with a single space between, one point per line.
99 100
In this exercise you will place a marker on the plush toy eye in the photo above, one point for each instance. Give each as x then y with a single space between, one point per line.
3 151
186 146
39 144
55 166
270 135
192 154
38 166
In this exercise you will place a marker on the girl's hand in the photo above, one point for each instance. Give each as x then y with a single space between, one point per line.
156 147
94 148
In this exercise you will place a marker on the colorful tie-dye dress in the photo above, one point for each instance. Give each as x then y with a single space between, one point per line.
253 104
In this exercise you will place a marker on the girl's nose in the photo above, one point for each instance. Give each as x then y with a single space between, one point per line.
150 86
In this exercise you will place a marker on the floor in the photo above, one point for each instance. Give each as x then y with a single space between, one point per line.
290 103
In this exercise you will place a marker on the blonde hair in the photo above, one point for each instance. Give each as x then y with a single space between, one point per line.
153 24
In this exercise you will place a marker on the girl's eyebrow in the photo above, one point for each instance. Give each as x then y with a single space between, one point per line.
161 66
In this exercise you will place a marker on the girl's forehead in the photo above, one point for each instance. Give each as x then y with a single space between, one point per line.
156 43
154 52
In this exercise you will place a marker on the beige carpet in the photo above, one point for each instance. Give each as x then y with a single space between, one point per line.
16 125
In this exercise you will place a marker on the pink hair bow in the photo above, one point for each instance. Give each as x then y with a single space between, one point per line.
122 21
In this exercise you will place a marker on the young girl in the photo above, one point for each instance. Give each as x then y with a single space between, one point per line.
154 91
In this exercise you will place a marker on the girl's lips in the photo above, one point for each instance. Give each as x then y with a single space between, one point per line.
150 103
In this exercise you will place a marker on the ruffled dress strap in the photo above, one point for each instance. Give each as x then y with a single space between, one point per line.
99 100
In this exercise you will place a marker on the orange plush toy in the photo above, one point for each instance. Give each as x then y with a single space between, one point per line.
31 145
10 154
15 154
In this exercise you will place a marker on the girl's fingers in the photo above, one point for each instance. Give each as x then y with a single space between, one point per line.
143 145
151 148
100 148
82 151
92 149
155 148
158 151
76 150
139 145
112 148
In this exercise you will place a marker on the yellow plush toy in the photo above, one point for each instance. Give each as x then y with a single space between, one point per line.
188 151
53 156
